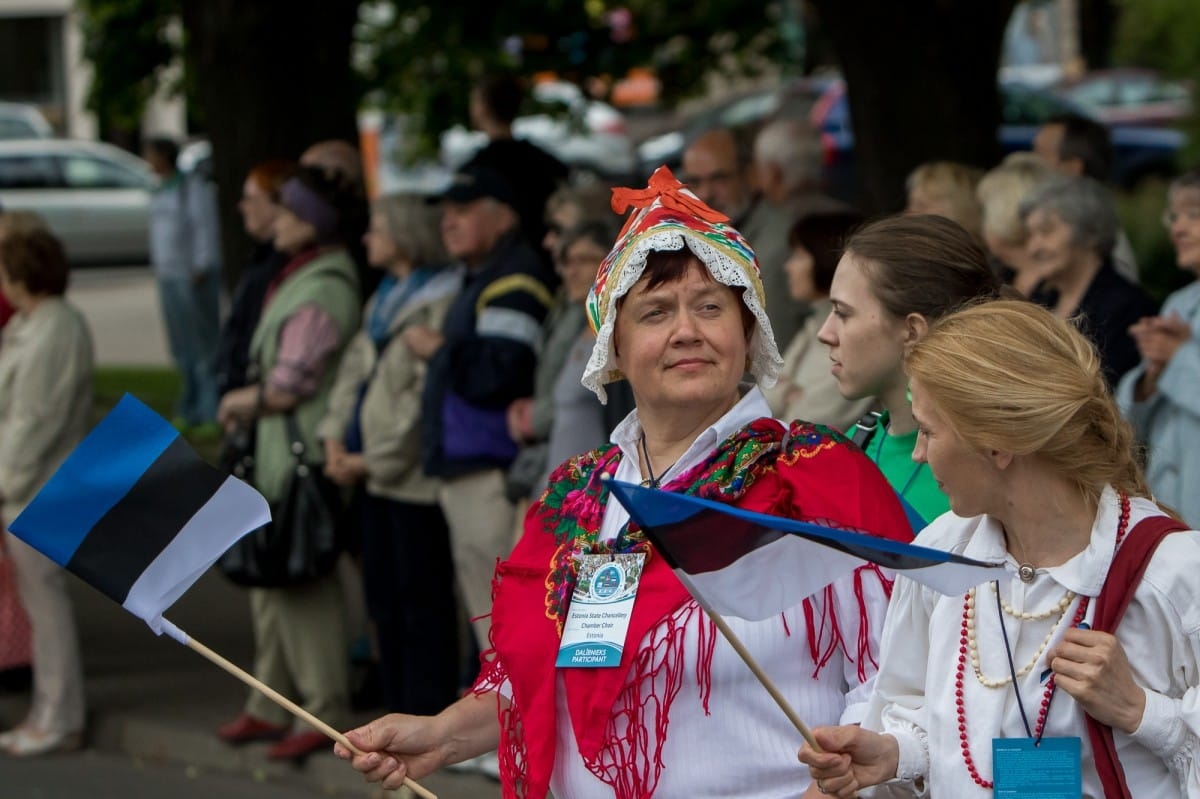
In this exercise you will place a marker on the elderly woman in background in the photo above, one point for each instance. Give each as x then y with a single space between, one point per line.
312 309
1072 227
578 421
45 409
946 188
679 309
259 208
806 389
372 435
530 418
1092 633
1161 396
1000 193
19 221
569 207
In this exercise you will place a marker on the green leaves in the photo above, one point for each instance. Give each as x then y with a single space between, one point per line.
130 44
421 58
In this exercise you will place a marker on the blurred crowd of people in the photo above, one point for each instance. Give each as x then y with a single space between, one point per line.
441 357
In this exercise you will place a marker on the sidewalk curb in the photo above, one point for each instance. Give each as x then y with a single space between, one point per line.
161 743
166 744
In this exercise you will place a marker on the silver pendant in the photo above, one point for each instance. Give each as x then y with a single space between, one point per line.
1026 572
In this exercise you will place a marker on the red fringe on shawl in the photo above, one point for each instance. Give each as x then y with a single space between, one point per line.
621 742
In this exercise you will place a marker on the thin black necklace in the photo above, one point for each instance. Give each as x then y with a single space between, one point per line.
652 481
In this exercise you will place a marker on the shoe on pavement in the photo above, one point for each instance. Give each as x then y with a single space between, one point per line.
246 728
30 743
8 736
298 746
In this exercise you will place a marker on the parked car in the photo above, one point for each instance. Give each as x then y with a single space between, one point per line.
95 197
1130 96
587 135
1139 151
22 121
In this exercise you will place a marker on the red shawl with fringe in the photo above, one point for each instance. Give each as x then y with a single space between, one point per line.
807 472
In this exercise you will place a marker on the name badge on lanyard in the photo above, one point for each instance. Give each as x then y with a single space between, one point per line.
1048 768
601 606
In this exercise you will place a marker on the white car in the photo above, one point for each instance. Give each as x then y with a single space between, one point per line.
22 121
587 135
95 197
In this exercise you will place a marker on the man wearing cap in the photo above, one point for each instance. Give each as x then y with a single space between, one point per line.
482 359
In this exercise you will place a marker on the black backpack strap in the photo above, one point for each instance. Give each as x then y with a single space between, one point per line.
864 428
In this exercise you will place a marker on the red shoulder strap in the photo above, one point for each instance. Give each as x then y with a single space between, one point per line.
1124 575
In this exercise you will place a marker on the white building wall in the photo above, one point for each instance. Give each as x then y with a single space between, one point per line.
164 115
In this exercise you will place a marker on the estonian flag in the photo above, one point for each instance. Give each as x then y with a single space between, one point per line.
753 565
136 513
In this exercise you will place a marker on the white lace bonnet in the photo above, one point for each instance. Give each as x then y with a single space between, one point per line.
668 217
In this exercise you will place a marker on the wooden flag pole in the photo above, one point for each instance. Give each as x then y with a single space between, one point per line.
292 707
749 660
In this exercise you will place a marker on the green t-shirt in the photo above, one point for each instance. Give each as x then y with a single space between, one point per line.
912 481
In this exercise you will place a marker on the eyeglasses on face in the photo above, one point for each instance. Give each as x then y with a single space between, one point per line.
1189 213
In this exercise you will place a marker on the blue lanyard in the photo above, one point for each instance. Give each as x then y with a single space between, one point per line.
882 433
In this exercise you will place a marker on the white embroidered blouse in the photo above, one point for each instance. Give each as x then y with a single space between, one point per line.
914 691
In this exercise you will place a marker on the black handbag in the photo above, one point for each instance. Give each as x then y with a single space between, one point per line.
237 453
304 538
523 480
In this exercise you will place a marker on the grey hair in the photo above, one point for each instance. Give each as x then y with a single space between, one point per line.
590 200
600 231
413 224
1084 206
795 149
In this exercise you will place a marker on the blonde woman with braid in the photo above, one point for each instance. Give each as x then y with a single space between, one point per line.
1088 650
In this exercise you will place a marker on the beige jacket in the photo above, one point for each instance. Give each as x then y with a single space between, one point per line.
391 411
45 397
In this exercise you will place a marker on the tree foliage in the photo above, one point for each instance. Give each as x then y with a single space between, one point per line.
421 58
272 74
129 44
1162 34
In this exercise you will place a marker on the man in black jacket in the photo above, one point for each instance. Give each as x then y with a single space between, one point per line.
481 360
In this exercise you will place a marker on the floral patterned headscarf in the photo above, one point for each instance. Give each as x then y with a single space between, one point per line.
669 217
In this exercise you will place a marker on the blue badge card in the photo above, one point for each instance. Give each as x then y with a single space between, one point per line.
1028 770
601 606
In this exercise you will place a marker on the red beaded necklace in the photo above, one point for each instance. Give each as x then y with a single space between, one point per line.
1044 710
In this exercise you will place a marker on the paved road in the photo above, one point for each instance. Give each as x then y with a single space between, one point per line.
121 307
100 776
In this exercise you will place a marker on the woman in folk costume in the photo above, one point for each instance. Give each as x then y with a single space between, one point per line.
678 310
1082 664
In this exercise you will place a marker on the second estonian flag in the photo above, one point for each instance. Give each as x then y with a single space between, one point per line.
136 513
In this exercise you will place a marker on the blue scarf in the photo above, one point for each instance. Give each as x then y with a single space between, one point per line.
390 299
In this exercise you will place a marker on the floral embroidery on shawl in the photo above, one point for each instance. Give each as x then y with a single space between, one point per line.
620 716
